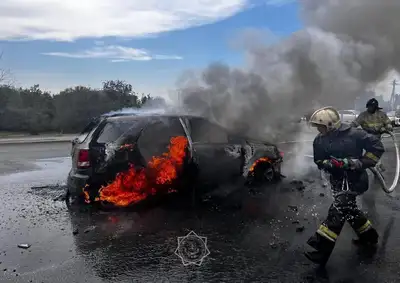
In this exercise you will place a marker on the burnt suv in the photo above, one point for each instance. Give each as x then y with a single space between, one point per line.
217 155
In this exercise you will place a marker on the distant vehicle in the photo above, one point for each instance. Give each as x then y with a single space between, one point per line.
348 116
213 154
306 117
393 116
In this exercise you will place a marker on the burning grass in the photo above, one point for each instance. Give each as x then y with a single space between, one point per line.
135 185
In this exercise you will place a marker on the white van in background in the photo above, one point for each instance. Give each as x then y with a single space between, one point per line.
393 117
348 116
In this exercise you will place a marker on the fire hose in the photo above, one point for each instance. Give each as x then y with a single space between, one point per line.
389 189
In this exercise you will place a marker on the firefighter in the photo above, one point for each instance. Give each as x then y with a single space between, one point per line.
338 149
373 121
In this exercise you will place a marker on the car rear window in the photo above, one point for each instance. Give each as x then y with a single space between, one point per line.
114 129
87 130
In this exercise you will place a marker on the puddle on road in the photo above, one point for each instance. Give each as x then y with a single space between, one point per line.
49 171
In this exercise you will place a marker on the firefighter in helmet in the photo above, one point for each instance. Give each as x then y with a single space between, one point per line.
338 149
373 121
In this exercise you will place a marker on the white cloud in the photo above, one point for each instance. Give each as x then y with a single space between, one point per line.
115 53
69 20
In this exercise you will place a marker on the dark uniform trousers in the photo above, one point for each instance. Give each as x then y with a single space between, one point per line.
344 208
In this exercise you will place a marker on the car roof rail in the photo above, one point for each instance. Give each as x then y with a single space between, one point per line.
117 115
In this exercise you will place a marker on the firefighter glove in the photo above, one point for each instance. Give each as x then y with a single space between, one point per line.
339 163
327 164
355 164
347 163
386 129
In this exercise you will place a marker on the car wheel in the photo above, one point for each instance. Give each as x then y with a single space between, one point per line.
68 198
263 173
71 200
269 174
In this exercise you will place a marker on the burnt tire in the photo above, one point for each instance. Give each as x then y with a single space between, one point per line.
73 201
264 173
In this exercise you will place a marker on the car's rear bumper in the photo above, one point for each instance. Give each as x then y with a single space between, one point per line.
76 183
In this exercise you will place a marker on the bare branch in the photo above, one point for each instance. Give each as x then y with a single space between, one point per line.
5 75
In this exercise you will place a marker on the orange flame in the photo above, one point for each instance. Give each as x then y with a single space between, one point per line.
86 194
258 161
134 185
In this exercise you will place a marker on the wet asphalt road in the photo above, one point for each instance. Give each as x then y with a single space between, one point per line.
21 157
253 236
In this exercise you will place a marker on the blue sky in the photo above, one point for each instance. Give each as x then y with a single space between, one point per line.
148 45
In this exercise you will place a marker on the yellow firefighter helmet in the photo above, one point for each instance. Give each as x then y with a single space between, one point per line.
326 116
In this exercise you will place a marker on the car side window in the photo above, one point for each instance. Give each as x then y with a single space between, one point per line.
156 136
204 131
86 131
113 130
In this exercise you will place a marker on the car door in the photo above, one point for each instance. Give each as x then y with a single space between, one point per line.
218 158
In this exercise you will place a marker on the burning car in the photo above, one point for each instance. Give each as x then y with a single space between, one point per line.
123 159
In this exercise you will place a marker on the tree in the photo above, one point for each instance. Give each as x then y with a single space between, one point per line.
5 75
150 102
34 110
121 93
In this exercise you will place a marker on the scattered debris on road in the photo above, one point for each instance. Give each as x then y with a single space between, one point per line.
293 207
299 185
24 246
87 230
321 194
300 229
273 245
39 187
310 181
61 197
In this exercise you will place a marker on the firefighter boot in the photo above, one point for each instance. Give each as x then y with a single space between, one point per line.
368 238
323 249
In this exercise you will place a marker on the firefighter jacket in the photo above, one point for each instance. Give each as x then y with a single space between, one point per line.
372 122
348 142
